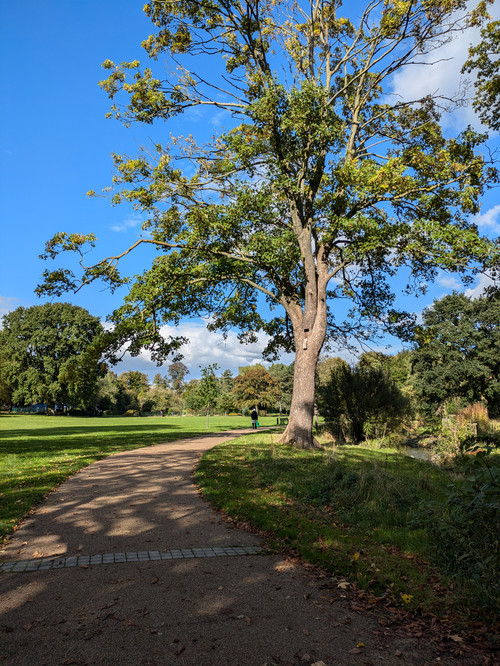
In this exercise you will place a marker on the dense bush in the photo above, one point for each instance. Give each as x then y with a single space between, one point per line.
360 402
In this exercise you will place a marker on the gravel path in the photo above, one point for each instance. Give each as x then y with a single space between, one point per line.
126 564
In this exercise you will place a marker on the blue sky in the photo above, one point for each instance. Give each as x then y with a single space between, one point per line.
55 145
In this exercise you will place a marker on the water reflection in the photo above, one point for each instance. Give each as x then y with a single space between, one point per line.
417 453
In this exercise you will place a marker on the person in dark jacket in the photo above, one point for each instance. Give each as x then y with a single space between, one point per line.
255 418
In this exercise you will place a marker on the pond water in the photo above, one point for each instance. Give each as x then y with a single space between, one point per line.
417 453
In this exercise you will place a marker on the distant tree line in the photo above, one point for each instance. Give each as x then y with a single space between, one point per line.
51 354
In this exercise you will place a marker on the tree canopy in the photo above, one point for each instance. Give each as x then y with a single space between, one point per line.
50 355
458 351
322 189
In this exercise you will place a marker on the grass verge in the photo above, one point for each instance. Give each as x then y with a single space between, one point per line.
39 452
354 511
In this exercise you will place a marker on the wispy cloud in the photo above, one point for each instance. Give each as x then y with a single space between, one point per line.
489 221
7 304
482 282
438 73
449 282
204 347
131 222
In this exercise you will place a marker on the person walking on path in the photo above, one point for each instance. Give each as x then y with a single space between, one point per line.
255 418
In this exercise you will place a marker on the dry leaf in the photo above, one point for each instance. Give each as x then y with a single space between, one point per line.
155 580
306 632
457 638
355 651
248 620
344 585
180 650
129 623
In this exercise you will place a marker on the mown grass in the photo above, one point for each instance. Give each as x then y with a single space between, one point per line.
38 452
354 511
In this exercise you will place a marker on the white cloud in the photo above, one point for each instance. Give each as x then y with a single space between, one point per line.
438 73
130 222
7 304
204 348
449 282
489 221
482 282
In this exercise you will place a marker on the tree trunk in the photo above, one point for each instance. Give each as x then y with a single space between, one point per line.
300 424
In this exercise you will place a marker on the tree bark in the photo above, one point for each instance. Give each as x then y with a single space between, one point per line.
300 424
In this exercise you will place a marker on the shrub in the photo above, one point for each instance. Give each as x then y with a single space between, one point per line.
465 530
361 401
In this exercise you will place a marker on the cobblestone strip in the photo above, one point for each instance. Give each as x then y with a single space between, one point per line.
43 564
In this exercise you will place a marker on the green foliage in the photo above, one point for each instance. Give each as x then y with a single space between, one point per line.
358 402
283 375
465 529
458 352
319 174
51 354
256 387
484 61
177 371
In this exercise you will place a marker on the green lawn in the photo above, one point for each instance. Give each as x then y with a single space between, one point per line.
39 452
356 511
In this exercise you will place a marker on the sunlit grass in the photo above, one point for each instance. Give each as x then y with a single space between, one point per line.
38 452
352 510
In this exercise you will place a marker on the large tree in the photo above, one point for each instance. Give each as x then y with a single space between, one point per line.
324 186
53 354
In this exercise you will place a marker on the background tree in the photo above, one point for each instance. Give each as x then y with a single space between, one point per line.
54 355
208 389
283 375
326 366
111 394
159 381
322 174
191 395
177 371
458 351
356 402
226 401
6 379
256 387
136 385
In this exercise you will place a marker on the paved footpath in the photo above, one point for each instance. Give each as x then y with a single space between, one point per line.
125 564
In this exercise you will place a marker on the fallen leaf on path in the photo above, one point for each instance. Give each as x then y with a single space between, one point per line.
248 620
27 627
129 623
155 580
457 638
306 632
180 650
344 585
355 650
